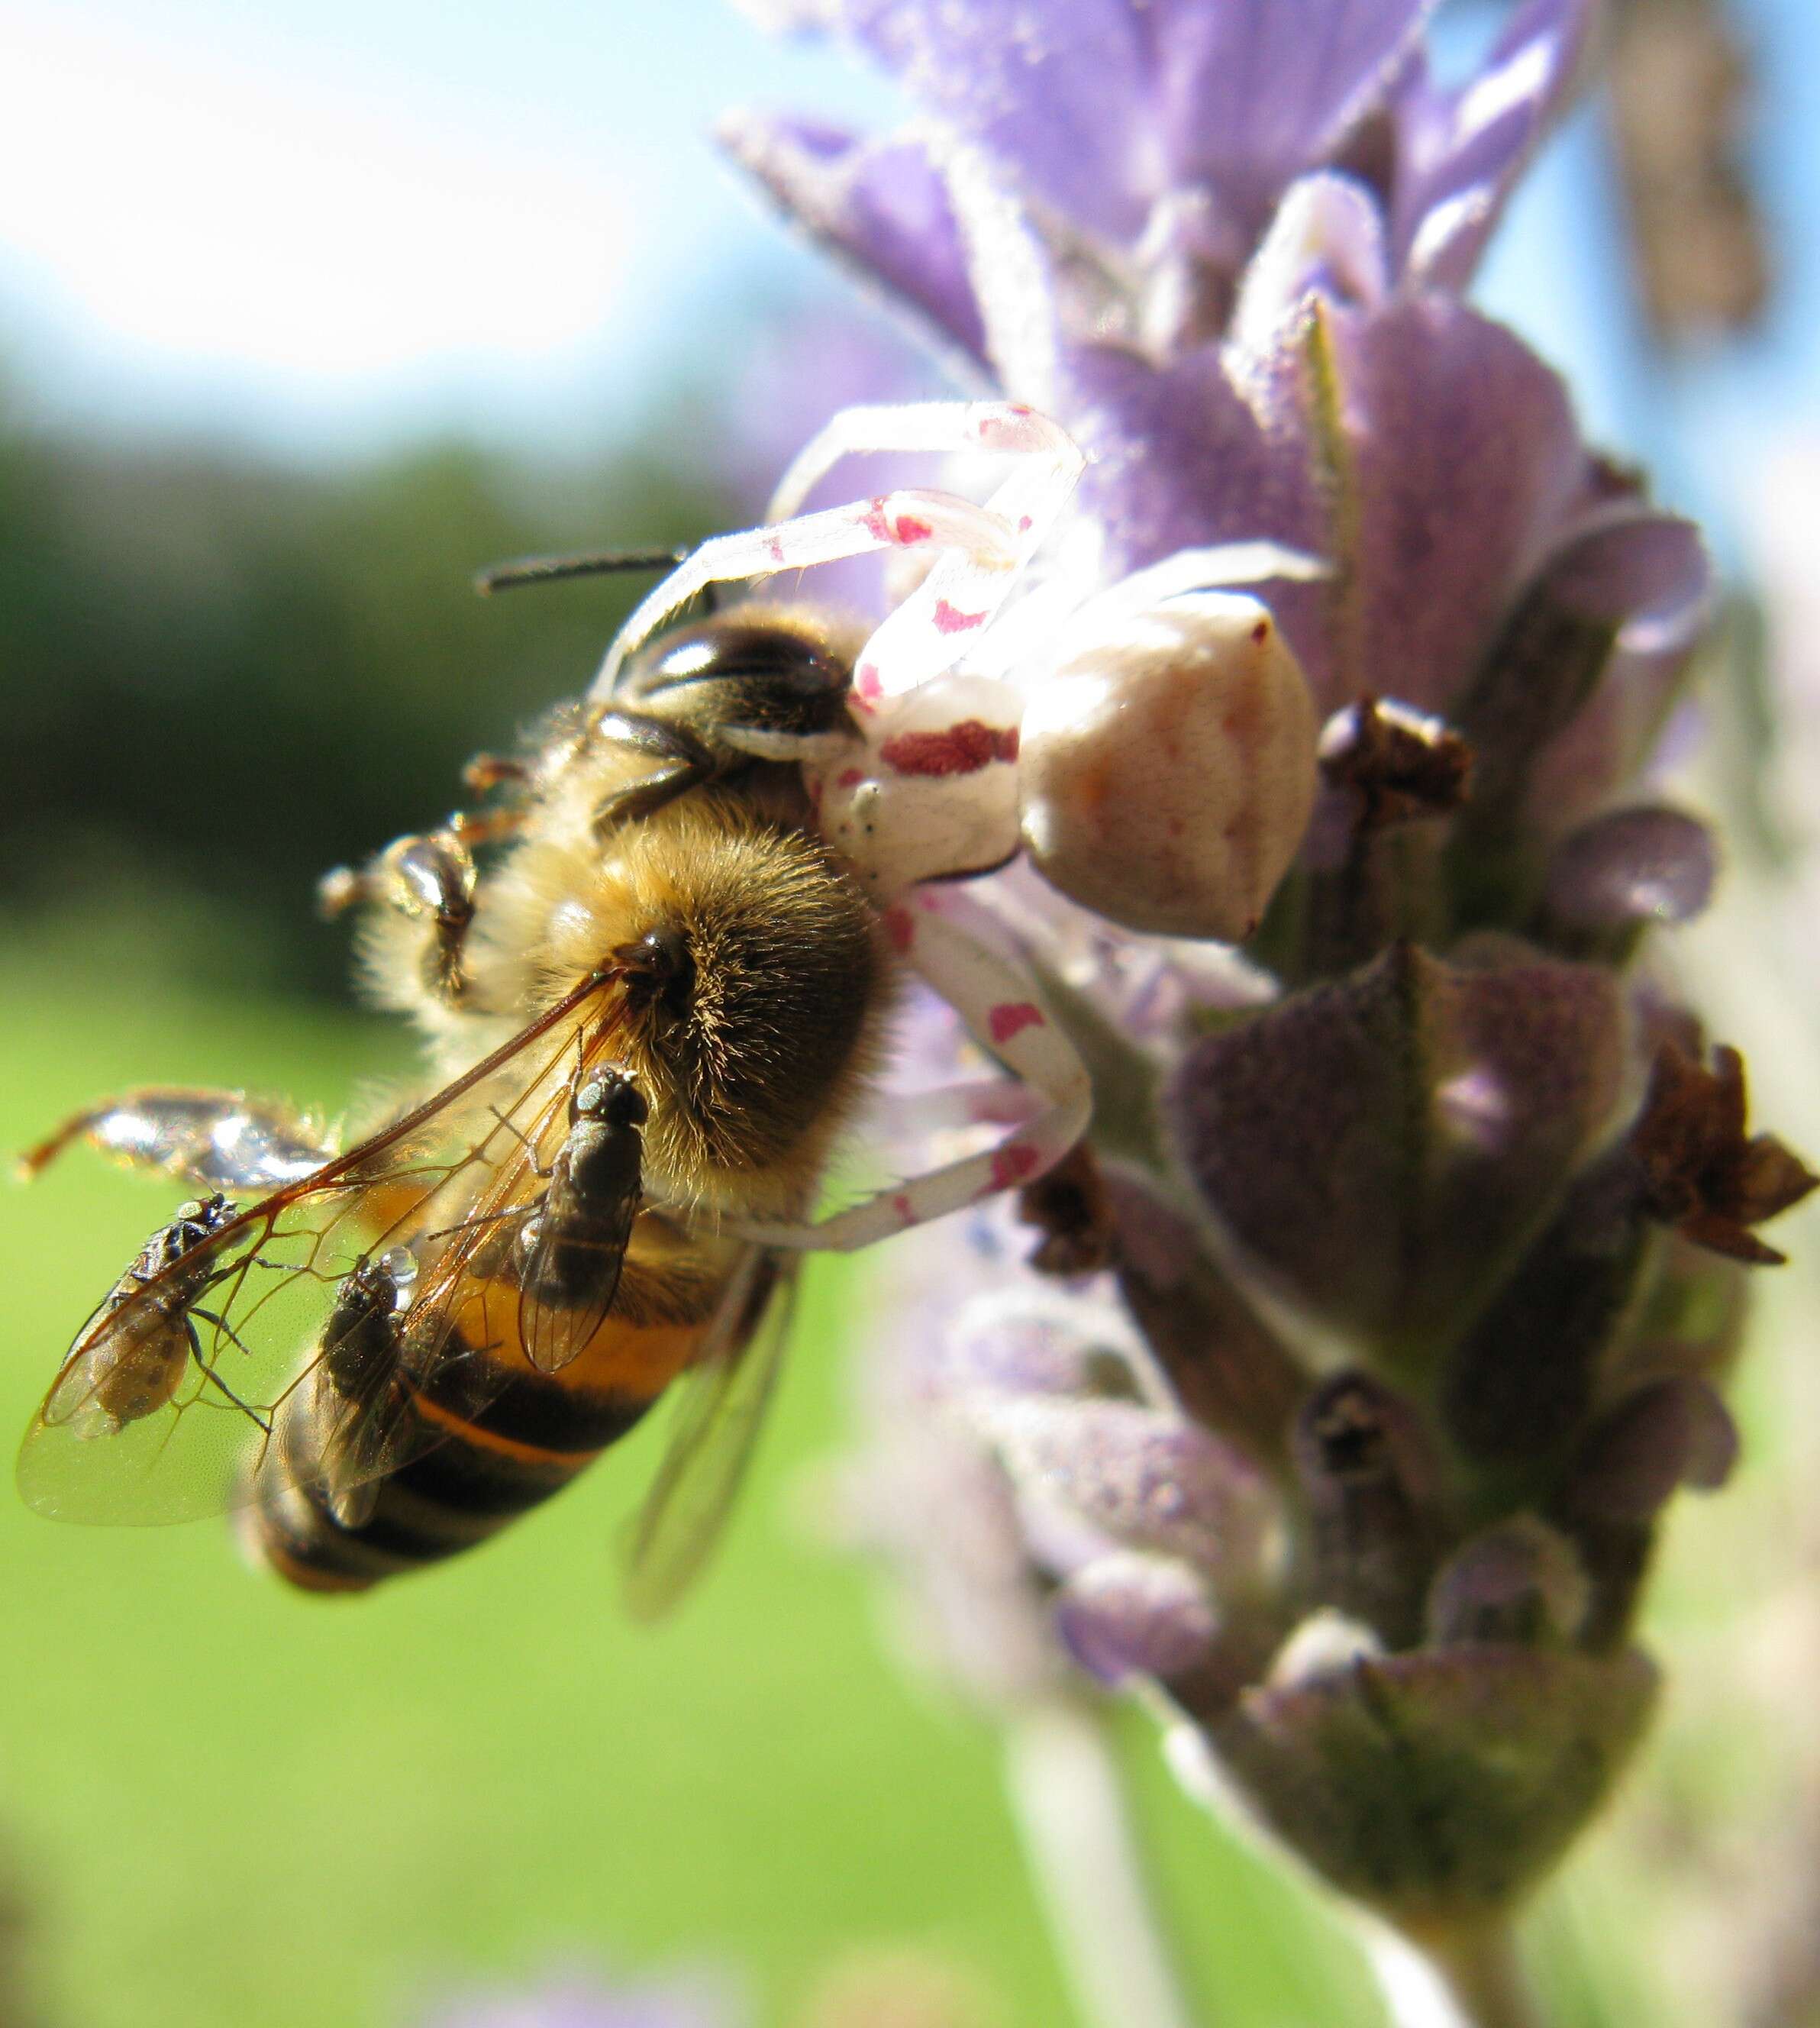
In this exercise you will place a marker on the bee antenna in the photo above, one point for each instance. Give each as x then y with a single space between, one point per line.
553 570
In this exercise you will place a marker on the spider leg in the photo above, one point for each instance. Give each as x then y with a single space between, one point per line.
1009 427
955 946
937 624
907 520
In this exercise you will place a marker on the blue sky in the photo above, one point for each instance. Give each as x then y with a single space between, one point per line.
322 223
327 224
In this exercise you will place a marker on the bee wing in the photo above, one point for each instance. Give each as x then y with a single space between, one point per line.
554 1334
730 1386
214 1140
240 1314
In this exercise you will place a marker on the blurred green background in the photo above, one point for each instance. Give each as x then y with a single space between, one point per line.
222 1803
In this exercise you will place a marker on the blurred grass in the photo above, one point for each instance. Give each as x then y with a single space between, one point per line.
227 1803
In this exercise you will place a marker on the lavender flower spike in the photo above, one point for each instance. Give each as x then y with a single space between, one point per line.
1430 1210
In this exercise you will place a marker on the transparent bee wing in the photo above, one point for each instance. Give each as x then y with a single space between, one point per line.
182 1385
214 1140
728 1390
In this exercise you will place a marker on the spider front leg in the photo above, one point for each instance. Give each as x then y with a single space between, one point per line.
939 621
957 949
909 520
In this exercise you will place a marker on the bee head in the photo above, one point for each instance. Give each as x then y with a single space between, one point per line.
754 669
752 978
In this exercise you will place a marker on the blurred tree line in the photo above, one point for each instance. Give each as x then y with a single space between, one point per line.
222 675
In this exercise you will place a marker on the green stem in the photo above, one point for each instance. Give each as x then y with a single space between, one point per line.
1068 1797
1472 1979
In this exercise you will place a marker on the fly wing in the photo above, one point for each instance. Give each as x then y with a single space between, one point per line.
553 1332
728 1390
247 1304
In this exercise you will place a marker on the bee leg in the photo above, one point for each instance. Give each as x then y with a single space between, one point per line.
680 761
431 878
213 1140
954 945
909 519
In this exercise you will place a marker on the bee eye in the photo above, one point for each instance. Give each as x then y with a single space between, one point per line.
659 968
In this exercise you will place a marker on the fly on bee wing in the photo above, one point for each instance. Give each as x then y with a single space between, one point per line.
138 1345
571 1251
167 1405
353 1415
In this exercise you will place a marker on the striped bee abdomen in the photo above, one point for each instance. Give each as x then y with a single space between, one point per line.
466 1476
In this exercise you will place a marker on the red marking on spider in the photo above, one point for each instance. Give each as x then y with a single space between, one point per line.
1002 427
1023 524
1012 1017
1261 631
908 529
774 549
956 749
866 680
900 931
849 778
951 620
1012 1164
874 523
901 1205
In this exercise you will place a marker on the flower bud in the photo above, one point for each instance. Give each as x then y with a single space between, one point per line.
1438 1786
1132 1614
1142 1478
1368 1476
1520 1581
1167 776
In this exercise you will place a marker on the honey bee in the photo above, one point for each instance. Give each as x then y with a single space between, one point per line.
655 1000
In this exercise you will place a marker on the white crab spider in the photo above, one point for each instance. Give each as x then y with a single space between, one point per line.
925 788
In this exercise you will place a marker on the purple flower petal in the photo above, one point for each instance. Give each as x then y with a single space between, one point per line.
1383 1145
1253 93
1457 467
1460 154
1632 866
1650 575
1465 461
1102 108
1029 1340
1328 233
1129 1615
1181 460
1670 1434
881 206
